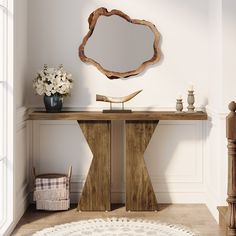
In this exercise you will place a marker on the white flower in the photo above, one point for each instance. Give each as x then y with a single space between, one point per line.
52 81
50 70
40 90
48 93
48 87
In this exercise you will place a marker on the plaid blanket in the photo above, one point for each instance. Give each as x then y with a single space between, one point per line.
52 189
51 183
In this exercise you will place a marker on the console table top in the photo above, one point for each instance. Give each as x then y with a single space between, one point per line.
135 115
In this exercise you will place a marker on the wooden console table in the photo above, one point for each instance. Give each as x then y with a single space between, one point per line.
96 127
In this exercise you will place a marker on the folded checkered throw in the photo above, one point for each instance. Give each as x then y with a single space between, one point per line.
51 183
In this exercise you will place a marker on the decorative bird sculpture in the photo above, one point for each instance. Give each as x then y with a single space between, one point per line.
103 98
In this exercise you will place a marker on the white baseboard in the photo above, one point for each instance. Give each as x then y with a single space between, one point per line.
19 212
22 207
175 198
211 204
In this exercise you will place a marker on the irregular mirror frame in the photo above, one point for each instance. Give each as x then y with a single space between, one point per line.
118 45
116 74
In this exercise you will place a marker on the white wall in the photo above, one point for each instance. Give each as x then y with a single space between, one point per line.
229 50
215 55
216 119
222 90
20 51
55 38
21 155
197 41
216 162
177 172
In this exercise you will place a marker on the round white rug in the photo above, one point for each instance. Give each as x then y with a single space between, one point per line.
117 227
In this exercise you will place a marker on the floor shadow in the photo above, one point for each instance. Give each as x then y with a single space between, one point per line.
181 214
116 206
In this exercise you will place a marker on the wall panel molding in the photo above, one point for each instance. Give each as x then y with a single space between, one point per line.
216 160
22 162
183 146
215 113
21 118
183 183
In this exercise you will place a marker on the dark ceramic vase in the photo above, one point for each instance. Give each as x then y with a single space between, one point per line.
53 103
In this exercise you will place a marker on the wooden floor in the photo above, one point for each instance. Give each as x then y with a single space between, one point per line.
196 217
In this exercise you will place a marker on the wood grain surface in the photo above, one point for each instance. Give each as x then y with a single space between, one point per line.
93 18
96 127
139 191
196 217
96 194
136 115
231 136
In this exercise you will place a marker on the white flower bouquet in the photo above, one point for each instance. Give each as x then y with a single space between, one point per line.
52 81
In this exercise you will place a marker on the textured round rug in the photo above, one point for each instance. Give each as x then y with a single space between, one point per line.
117 227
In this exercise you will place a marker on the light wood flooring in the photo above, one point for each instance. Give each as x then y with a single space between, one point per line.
195 216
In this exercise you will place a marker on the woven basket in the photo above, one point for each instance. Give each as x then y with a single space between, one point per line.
53 205
52 199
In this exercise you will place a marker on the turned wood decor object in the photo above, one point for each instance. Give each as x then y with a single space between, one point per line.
191 101
96 195
122 100
179 105
231 136
140 195
93 19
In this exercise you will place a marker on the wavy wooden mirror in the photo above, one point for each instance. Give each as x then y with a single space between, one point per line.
119 46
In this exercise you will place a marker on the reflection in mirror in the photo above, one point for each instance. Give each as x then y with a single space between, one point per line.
119 46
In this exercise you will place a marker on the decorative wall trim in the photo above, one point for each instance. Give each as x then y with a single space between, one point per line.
21 190
22 207
175 198
214 113
158 187
172 188
196 176
216 159
21 118
212 204
78 179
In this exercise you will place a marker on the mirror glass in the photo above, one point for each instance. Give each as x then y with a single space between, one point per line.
119 46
